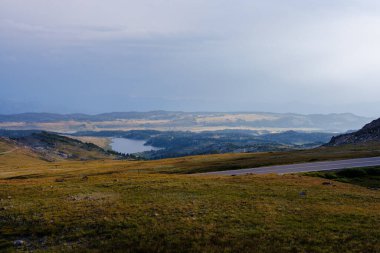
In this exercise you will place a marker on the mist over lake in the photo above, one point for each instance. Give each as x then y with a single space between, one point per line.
129 146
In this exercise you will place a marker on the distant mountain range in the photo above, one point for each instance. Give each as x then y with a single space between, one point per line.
53 146
369 133
184 121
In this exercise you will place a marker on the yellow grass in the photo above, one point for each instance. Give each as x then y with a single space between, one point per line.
131 206
98 141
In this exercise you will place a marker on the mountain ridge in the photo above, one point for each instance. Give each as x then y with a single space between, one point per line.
176 120
369 133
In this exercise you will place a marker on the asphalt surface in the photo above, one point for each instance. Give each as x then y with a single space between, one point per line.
304 167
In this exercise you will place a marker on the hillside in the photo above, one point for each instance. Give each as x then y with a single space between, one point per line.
369 133
54 147
12 154
135 206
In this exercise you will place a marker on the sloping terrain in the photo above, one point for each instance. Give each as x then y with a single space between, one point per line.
18 160
11 152
53 147
199 164
367 177
126 206
368 134
142 206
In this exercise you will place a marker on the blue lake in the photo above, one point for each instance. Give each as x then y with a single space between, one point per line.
128 146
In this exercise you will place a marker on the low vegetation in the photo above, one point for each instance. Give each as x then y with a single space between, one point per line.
136 206
131 212
367 177
209 163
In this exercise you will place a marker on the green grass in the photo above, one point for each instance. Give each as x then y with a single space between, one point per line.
133 206
366 177
167 213
208 163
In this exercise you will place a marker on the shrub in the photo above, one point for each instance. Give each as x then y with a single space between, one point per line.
373 171
350 173
330 176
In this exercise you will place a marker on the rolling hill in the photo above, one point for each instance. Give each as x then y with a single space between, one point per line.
54 147
151 206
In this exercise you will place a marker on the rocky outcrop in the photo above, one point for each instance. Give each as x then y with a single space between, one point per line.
369 133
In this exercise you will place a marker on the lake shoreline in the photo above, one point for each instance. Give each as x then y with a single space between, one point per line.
130 146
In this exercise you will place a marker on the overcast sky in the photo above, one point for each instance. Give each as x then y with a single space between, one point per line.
306 56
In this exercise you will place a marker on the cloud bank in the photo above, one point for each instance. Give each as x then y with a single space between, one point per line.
96 56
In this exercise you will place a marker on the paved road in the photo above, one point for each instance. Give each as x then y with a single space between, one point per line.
305 167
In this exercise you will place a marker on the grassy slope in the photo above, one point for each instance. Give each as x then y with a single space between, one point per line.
116 205
197 164
366 177
102 142
150 212
56 147
20 167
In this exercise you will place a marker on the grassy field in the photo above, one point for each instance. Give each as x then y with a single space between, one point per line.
174 213
134 206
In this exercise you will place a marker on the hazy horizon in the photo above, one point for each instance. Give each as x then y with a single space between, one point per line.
96 56
182 111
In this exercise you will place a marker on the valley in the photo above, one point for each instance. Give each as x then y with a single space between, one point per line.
166 144
129 206
63 193
189 126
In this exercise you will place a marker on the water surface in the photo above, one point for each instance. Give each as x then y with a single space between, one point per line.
129 146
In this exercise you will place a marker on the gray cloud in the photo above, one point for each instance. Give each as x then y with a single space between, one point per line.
234 55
